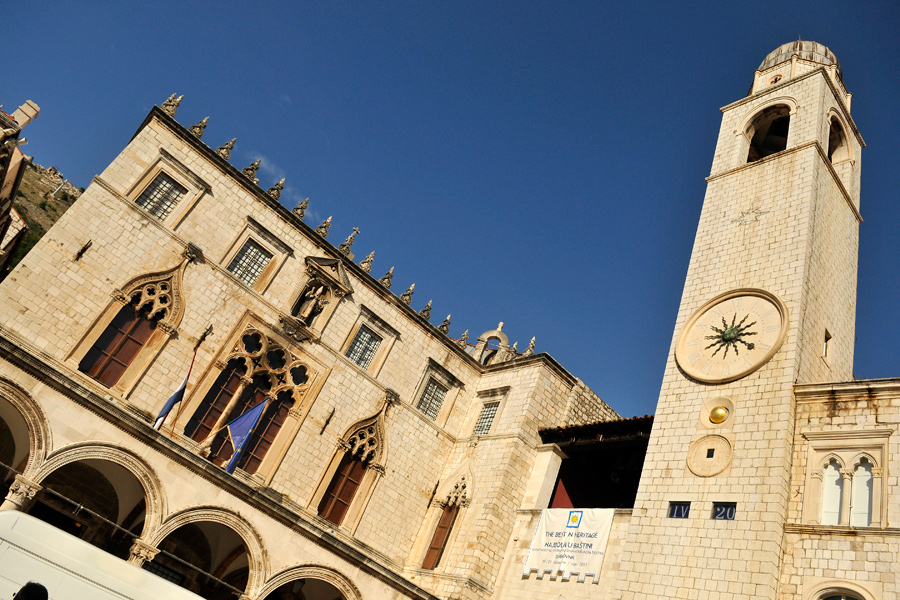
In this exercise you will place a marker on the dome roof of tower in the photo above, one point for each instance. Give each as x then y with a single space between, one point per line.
812 51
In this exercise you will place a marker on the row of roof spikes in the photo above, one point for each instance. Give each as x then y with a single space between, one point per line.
170 107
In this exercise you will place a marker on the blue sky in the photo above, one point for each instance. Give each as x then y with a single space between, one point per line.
540 164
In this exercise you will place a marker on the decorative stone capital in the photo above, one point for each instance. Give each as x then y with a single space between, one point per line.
876 472
120 296
343 444
167 328
245 381
221 364
439 503
847 474
192 253
21 494
141 552
378 468
818 475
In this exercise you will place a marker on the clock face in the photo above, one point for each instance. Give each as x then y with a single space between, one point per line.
731 336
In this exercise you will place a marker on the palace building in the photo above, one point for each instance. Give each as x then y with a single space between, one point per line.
331 443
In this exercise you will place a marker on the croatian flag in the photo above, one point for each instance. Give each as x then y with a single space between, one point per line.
240 431
175 398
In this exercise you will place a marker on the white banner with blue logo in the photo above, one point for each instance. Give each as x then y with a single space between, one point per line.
570 541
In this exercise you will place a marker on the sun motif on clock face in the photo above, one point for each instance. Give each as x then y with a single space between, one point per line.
731 336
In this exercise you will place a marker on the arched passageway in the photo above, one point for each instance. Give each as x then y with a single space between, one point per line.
306 589
208 558
14 445
96 500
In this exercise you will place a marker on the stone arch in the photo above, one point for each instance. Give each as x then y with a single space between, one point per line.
863 455
483 354
838 144
366 438
744 124
312 571
256 552
161 291
39 435
835 587
831 457
154 495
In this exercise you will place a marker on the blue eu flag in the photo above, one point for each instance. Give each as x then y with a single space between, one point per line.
240 430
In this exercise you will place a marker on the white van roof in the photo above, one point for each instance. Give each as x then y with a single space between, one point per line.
70 568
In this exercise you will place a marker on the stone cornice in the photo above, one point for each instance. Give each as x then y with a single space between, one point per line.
137 424
840 531
788 151
846 391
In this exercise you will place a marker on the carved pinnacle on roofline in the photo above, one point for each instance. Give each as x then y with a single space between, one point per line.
426 312
323 228
530 349
170 106
345 247
275 191
386 280
225 151
197 129
406 297
300 209
445 326
463 340
250 172
366 264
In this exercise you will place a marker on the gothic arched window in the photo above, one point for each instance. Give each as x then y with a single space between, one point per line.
832 493
861 494
216 400
119 343
342 489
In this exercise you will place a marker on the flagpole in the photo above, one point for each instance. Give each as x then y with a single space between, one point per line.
181 404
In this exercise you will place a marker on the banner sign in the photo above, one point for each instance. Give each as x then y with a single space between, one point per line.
570 541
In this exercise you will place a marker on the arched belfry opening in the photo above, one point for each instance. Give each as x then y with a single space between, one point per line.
306 589
205 557
838 148
768 132
97 500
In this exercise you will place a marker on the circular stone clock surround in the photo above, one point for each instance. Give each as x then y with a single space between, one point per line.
731 335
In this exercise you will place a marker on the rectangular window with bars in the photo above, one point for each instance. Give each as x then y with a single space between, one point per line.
432 397
249 263
161 196
486 418
363 348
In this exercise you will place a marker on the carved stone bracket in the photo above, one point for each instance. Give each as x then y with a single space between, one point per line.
192 253
378 468
141 552
21 494
295 329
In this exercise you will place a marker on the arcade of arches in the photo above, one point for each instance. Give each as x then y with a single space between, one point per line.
105 504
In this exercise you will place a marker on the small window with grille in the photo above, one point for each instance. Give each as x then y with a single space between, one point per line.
432 397
250 261
362 349
161 196
486 418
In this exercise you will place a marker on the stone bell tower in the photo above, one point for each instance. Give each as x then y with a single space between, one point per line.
769 301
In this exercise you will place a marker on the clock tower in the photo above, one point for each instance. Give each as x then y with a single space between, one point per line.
769 302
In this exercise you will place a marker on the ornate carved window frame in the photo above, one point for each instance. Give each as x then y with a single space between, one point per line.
455 490
166 328
305 395
380 327
255 231
847 446
375 461
175 169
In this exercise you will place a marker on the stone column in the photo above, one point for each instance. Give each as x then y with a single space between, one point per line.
141 552
876 497
847 477
21 494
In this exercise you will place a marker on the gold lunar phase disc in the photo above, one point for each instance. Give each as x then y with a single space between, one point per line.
731 335
718 415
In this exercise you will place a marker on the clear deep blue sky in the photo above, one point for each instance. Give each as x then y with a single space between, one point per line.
540 164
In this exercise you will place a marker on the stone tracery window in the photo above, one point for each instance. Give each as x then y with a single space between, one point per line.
258 369
151 303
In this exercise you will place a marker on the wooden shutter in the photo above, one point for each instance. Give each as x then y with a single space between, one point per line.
116 347
439 540
342 489
207 414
